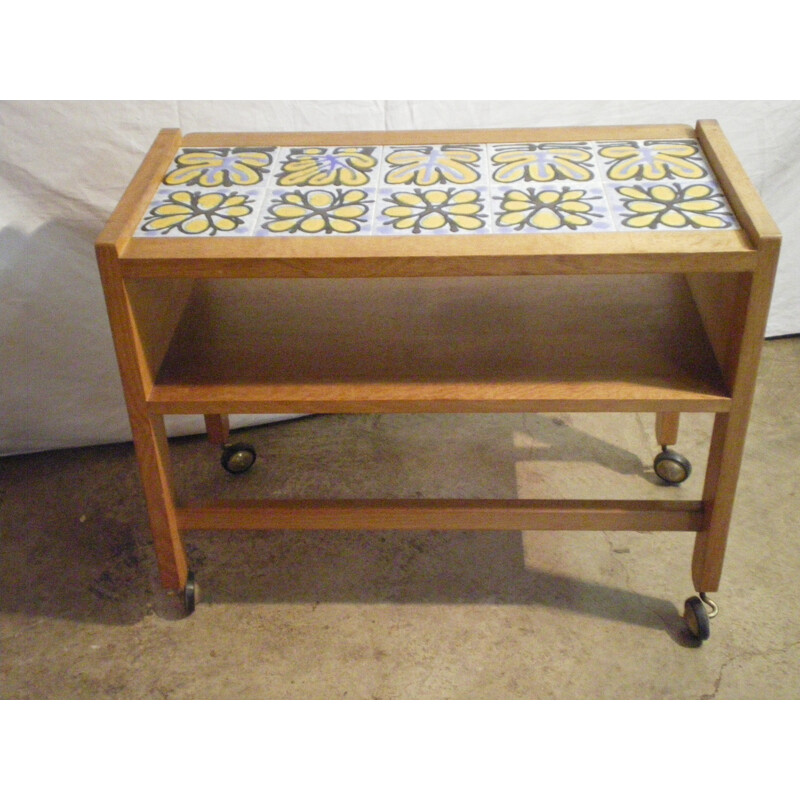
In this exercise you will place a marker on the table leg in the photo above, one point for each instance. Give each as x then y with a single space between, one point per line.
152 452
724 460
217 428
149 434
667 423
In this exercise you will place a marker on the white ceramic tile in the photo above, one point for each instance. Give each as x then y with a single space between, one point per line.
670 205
557 207
201 212
651 160
433 211
324 211
441 189
221 167
426 166
532 163
346 166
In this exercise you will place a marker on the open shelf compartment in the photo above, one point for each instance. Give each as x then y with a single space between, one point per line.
529 343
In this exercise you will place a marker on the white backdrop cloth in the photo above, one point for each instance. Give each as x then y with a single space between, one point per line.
64 166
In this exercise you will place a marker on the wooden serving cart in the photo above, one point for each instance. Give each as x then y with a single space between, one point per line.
624 269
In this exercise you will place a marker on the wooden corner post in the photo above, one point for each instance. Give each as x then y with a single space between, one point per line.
746 340
148 430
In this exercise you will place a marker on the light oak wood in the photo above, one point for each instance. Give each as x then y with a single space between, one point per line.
742 195
217 428
445 514
606 343
366 256
667 424
721 301
730 429
429 256
149 435
156 309
443 136
659 321
140 191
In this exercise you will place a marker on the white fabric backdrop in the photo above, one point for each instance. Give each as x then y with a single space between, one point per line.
64 166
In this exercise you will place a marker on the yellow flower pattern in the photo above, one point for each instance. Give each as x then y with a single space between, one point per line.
542 162
318 211
194 213
426 165
653 160
546 210
328 166
518 188
222 166
676 206
435 210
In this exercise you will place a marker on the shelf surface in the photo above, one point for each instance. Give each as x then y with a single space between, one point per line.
610 342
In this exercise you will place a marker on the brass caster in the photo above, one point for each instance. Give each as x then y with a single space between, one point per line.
697 611
672 467
238 458
190 594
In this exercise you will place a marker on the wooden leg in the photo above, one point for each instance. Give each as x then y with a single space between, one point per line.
217 428
739 359
152 452
149 434
667 427
724 460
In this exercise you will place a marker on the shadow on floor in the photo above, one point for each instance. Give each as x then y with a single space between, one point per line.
326 567
75 546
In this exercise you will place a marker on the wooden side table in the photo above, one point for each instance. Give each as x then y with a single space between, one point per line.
561 269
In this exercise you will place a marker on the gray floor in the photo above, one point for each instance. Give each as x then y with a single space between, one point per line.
407 614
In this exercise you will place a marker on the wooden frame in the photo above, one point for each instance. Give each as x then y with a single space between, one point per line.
712 288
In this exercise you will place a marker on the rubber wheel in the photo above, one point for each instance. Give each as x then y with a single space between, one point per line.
672 467
238 458
190 593
696 618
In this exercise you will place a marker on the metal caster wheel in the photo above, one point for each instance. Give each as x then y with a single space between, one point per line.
238 458
190 593
697 617
672 467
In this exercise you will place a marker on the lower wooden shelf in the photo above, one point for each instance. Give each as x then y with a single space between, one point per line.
528 343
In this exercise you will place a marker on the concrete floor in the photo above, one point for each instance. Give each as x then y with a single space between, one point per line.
407 614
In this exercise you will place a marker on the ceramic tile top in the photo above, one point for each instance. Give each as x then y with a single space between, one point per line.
438 189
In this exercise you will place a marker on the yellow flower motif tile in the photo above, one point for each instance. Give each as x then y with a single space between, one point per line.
652 160
445 210
315 211
671 207
220 166
327 166
434 165
542 163
438 189
185 212
551 209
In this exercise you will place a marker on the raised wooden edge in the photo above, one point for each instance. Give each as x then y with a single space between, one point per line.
443 514
492 254
131 207
439 136
739 189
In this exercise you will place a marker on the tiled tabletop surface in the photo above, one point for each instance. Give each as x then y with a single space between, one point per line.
395 190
